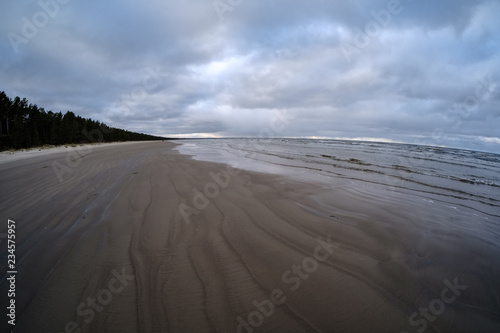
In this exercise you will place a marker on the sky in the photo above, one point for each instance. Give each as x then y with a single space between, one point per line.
423 72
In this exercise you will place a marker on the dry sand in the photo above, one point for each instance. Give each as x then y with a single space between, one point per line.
106 248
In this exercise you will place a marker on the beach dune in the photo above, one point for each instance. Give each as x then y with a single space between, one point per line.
139 238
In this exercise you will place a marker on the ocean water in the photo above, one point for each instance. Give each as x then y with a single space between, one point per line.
424 215
465 181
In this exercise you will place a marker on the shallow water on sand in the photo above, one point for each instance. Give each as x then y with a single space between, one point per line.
460 179
440 205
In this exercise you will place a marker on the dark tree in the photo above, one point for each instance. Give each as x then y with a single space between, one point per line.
24 125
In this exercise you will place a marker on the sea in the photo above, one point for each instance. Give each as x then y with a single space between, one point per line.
465 181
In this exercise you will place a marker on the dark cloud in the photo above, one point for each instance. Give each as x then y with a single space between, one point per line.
427 72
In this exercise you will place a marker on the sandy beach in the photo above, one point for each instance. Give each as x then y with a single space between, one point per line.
140 238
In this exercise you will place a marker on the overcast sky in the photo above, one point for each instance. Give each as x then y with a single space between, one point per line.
423 71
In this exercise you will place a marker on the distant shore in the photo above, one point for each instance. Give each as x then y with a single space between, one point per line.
136 237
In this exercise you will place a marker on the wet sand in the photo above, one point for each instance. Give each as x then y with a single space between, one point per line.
139 238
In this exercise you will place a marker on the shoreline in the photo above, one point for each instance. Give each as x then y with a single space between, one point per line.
259 251
7 156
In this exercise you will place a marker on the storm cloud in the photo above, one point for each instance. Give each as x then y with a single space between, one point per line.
422 72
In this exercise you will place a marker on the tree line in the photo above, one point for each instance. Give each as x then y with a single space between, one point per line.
24 125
